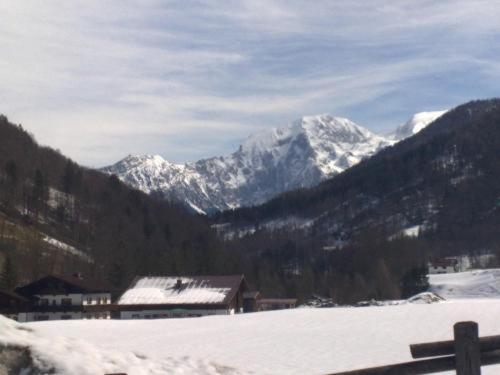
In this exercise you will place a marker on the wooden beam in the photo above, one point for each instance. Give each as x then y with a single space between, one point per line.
467 354
490 358
441 348
427 366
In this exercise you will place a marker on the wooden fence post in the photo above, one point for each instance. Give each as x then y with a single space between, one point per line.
467 351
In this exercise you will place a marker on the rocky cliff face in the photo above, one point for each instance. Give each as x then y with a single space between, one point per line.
300 155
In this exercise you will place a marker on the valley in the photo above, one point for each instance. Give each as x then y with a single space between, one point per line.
252 187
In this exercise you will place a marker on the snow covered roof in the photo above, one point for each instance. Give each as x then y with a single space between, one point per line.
178 290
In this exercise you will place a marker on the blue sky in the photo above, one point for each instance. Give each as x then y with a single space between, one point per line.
191 79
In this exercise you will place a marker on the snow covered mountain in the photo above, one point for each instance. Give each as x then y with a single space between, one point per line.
268 163
415 124
302 154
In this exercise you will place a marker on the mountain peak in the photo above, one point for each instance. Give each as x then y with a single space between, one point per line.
415 124
341 129
299 155
142 158
267 163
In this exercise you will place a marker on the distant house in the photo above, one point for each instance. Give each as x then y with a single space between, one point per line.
443 265
253 302
182 296
250 301
56 297
266 304
12 304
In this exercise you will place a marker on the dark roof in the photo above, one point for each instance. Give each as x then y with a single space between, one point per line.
254 294
443 262
11 294
164 290
67 284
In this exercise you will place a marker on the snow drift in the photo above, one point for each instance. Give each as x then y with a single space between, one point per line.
300 341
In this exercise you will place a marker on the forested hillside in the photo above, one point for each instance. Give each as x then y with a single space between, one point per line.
445 179
368 229
56 216
366 233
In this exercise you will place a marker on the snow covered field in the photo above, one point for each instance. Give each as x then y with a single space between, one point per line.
300 341
470 284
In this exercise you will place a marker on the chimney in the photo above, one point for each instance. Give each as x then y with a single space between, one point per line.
178 284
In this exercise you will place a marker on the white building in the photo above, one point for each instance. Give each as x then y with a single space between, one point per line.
58 297
443 265
182 296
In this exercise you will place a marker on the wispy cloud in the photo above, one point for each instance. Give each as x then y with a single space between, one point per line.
187 79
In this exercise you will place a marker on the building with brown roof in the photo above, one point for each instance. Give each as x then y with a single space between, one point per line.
56 297
154 297
443 265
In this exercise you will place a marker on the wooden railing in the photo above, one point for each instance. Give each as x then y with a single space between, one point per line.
465 354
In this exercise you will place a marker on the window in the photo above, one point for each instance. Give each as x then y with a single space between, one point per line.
136 316
105 300
66 317
89 300
41 317
99 300
44 302
65 301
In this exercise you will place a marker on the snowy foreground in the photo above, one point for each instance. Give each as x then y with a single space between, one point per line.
471 284
301 341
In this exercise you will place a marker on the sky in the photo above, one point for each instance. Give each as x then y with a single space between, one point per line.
100 79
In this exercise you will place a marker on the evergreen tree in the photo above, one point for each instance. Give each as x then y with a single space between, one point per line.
116 274
385 286
8 278
68 177
414 281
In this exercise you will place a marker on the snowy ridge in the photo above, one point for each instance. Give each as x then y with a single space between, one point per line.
470 284
67 248
415 124
300 155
